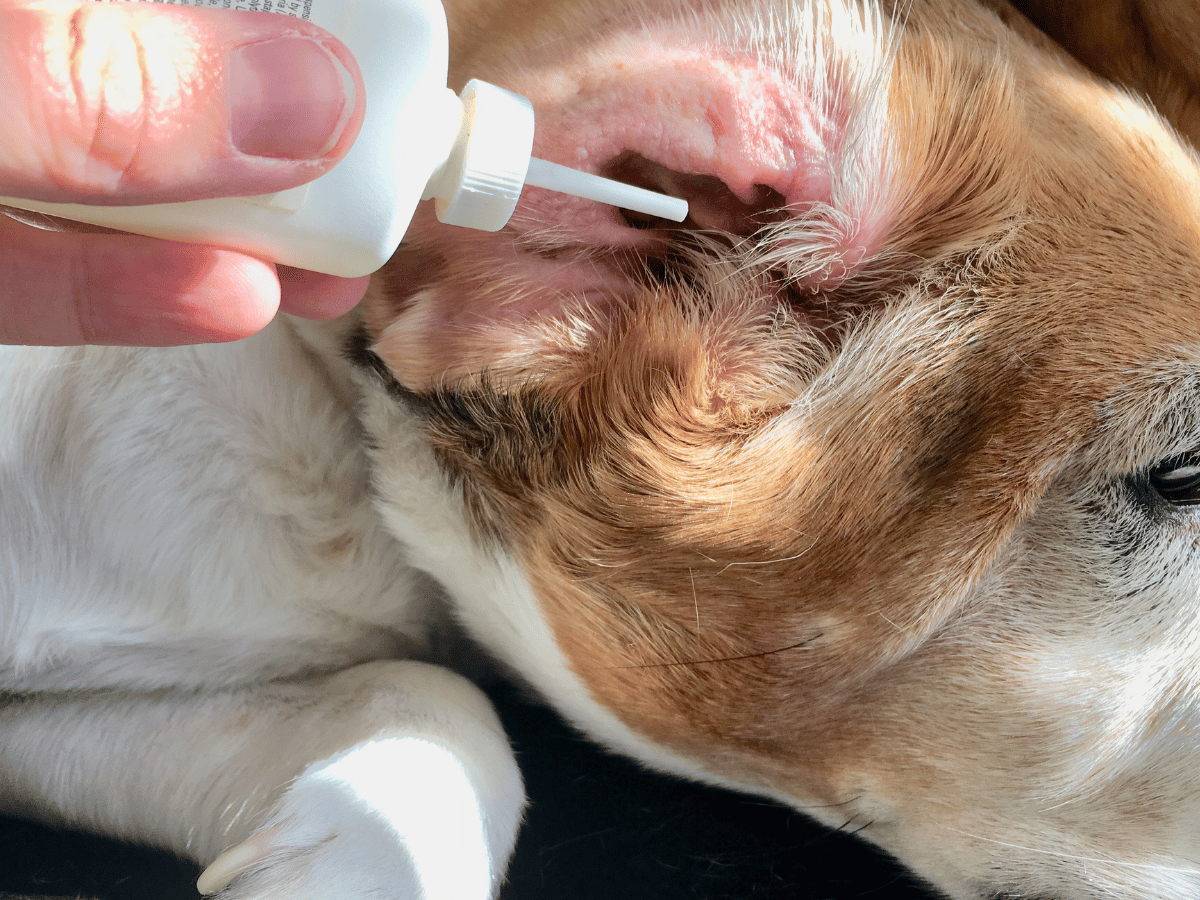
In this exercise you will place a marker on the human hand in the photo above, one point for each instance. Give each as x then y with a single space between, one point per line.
144 102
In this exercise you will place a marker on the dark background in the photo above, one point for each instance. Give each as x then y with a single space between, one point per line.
598 828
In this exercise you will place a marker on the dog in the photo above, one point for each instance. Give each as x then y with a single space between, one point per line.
872 488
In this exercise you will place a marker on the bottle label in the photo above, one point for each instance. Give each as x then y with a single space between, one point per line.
301 9
331 15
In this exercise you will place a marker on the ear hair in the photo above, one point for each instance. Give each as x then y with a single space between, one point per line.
921 142
957 130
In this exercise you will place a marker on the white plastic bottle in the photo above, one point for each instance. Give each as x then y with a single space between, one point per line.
470 154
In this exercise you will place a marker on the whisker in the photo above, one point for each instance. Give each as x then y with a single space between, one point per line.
1058 854
768 562
858 830
695 599
837 805
726 659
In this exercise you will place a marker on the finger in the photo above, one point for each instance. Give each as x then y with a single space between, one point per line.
148 102
316 296
63 288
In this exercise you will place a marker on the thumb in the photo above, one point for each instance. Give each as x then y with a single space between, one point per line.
137 102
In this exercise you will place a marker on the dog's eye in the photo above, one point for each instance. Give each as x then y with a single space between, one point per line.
1177 480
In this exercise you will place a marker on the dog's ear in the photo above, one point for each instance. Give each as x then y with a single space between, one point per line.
835 162
1147 46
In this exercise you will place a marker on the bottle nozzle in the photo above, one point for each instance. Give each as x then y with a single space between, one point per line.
490 163
604 190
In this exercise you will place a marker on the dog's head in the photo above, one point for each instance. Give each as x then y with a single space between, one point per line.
871 487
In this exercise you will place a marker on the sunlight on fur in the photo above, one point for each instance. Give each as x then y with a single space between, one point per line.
872 488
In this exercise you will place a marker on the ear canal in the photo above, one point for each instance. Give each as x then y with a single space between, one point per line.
712 206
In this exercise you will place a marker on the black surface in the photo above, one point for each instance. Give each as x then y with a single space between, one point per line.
598 828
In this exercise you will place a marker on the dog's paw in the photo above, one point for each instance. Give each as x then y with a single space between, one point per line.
393 819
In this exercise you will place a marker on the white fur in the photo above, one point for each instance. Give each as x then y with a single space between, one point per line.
199 520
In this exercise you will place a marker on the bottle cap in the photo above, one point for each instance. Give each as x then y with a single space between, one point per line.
481 181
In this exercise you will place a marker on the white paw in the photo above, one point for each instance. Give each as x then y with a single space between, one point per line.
397 818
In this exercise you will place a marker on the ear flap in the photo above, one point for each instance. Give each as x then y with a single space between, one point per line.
826 158
837 142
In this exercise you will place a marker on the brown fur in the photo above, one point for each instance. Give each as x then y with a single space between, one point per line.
759 520
645 508
1147 45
